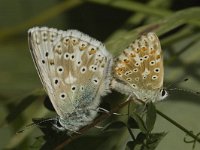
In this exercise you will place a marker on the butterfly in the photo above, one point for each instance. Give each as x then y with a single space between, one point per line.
75 72
139 70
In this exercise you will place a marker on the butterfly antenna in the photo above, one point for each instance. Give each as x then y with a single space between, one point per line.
184 90
176 82
179 89
33 125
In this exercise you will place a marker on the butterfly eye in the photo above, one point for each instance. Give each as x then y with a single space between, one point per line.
163 94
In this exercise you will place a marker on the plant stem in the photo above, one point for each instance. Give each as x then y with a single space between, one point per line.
178 126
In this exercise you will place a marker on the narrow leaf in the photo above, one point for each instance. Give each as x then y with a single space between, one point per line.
139 122
150 117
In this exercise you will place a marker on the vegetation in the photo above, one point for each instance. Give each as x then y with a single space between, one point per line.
171 124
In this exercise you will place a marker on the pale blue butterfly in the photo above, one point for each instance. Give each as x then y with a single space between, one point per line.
75 72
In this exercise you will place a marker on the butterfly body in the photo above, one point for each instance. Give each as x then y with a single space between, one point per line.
75 72
139 69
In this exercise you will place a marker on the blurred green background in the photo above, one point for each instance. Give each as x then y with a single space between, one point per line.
117 23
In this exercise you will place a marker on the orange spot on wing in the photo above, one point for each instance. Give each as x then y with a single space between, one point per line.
126 61
158 57
153 52
92 51
132 55
144 49
120 70
82 47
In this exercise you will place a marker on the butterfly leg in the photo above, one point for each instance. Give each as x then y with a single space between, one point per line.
103 110
99 127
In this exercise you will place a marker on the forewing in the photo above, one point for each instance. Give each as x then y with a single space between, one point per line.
73 67
141 64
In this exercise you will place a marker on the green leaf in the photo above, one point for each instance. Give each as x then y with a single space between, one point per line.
132 123
150 117
145 142
24 103
37 143
191 15
139 122
154 139
133 145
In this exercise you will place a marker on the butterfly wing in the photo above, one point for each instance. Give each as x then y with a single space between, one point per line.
73 67
141 65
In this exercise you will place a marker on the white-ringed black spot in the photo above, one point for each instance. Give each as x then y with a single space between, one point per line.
126 73
95 80
60 69
79 62
130 72
74 40
152 62
91 68
66 40
137 64
53 35
83 69
134 86
56 81
66 56
44 34
43 61
144 77
128 79
82 88
83 45
46 54
137 79
72 57
151 48
73 88
58 46
146 57
62 95
157 70
135 70
154 77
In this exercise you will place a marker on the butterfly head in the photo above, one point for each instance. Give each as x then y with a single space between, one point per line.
151 95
